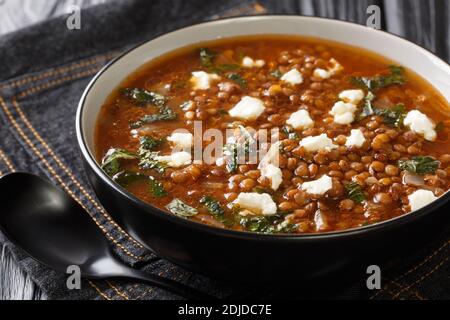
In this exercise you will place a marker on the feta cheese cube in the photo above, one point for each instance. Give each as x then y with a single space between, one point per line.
420 198
321 73
176 159
316 143
181 140
319 186
344 113
248 62
325 74
352 96
247 109
274 174
300 120
421 124
257 203
356 139
292 77
202 81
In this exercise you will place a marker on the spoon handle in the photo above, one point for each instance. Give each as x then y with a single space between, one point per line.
166 284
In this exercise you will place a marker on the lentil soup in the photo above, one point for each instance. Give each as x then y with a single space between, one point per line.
355 139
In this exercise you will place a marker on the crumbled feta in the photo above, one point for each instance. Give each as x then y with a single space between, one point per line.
292 77
344 113
352 96
202 80
247 109
181 140
248 62
356 139
420 124
176 159
321 73
274 174
325 74
316 143
257 203
420 198
300 120
319 186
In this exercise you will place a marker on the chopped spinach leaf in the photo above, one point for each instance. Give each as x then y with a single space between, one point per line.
181 209
267 224
276 73
125 178
236 77
419 165
206 57
368 108
165 113
292 135
393 116
215 209
355 192
157 188
143 97
148 157
149 143
230 150
110 162
396 77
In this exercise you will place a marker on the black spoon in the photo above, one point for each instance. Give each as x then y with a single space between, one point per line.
55 230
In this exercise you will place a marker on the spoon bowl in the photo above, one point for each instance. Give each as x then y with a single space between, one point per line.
55 230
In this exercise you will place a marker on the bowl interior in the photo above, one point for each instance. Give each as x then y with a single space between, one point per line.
406 53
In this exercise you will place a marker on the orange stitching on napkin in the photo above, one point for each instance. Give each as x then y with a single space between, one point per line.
100 292
423 277
59 70
120 293
415 267
53 83
68 172
6 160
57 177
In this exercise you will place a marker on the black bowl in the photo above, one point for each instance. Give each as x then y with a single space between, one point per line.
248 257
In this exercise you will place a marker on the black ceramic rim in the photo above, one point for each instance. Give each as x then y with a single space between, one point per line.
90 159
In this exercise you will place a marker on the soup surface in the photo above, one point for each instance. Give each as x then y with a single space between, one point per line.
277 134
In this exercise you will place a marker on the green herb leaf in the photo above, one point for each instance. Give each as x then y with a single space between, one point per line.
156 188
267 224
215 209
367 109
181 209
393 116
165 113
143 97
206 57
236 77
355 192
230 150
396 77
420 165
125 178
149 143
276 73
110 162
148 157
